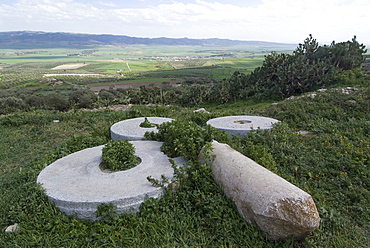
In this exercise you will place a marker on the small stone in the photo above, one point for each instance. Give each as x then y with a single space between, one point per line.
321 90
348 90
13 228
312 96
304 132
345 91
201 110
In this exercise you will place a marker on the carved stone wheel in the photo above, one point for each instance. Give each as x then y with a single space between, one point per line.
130 129
76 184
241 124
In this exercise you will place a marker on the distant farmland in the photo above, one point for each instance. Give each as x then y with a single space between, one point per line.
26 67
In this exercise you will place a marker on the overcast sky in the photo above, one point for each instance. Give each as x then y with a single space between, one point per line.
288 21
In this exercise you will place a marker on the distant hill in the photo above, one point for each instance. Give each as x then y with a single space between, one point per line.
27 39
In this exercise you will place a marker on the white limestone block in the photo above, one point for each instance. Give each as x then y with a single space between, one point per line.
279 208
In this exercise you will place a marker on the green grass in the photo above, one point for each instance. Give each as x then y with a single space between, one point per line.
331 163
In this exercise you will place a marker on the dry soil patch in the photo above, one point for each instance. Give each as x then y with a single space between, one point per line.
68 66
70 74
113 61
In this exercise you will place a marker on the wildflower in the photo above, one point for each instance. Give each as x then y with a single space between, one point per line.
175 149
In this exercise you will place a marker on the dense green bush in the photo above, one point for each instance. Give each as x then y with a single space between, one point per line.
185 138
57 101
118 155
82 98
10 104
282 75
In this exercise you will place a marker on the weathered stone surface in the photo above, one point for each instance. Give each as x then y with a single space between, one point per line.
77 185
130 129
13 228
241 124
279 208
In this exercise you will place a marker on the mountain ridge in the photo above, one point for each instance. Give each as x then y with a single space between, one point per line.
61 39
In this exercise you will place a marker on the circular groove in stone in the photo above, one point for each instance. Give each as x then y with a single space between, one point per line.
76 185
130 129
241 124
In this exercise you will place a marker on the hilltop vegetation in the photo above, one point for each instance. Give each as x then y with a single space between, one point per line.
321 145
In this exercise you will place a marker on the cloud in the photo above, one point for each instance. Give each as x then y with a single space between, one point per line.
271 20
107 3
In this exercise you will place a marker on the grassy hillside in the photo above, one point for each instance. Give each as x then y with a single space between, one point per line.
321 144
330 161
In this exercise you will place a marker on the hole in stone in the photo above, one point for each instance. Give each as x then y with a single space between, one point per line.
243 122
105 170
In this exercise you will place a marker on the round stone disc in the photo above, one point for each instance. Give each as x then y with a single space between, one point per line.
77 185
130 129
241 124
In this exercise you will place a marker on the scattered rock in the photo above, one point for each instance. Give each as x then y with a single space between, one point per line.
312 95
201 110
13 228
348 90
321 90
303 132
277 207
344 91
113 107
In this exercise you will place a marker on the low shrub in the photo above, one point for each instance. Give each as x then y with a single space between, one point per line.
185 138
118 155
146 124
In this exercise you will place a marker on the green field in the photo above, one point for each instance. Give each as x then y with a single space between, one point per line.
25 67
